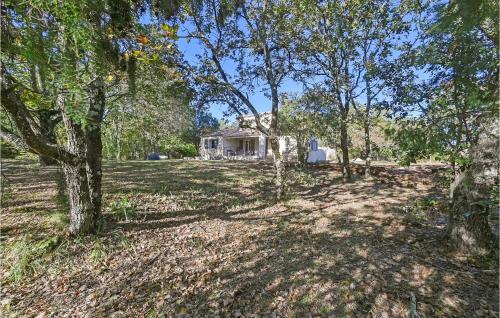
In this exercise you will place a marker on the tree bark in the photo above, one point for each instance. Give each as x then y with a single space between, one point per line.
366 119
344 146
82 217
368 149
94 144
473 203
468 226
279 167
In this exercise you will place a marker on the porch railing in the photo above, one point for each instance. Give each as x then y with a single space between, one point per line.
239 152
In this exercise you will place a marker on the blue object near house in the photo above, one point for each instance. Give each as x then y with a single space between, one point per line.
154 156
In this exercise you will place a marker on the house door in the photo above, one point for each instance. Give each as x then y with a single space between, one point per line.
249 147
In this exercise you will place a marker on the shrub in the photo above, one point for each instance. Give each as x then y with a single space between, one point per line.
187 150
177 148
8 151
97 253
123 209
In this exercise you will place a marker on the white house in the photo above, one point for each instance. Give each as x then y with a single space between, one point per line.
250 144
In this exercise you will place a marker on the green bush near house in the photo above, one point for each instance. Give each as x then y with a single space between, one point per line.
8 151
177 148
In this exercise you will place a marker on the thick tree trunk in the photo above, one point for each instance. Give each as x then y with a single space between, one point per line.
473 203
82 217
368 149
94 144
83 178
279 167
468 226
344 146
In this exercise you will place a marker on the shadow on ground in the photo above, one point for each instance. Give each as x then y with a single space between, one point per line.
210 241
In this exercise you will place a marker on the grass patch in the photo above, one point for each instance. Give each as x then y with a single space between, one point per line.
301 177
29 256
59 220
423 210
413 214
488 261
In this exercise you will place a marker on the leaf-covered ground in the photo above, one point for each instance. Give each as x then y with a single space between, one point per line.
206 239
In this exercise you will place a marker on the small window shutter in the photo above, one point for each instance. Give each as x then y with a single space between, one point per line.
206 143
314 145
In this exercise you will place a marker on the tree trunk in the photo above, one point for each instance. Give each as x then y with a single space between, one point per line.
473 199
82 216
83 178
279 166
368 149
118 155
368 106
94 144
117 141
344 146
468 226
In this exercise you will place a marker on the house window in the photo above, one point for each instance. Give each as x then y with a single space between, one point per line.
314 144
214 143
211 143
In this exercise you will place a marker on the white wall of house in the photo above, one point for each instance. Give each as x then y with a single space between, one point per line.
262 147
287 144
320 154
288 148
211 152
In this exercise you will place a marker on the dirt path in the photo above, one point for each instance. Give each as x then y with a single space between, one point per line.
206 239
